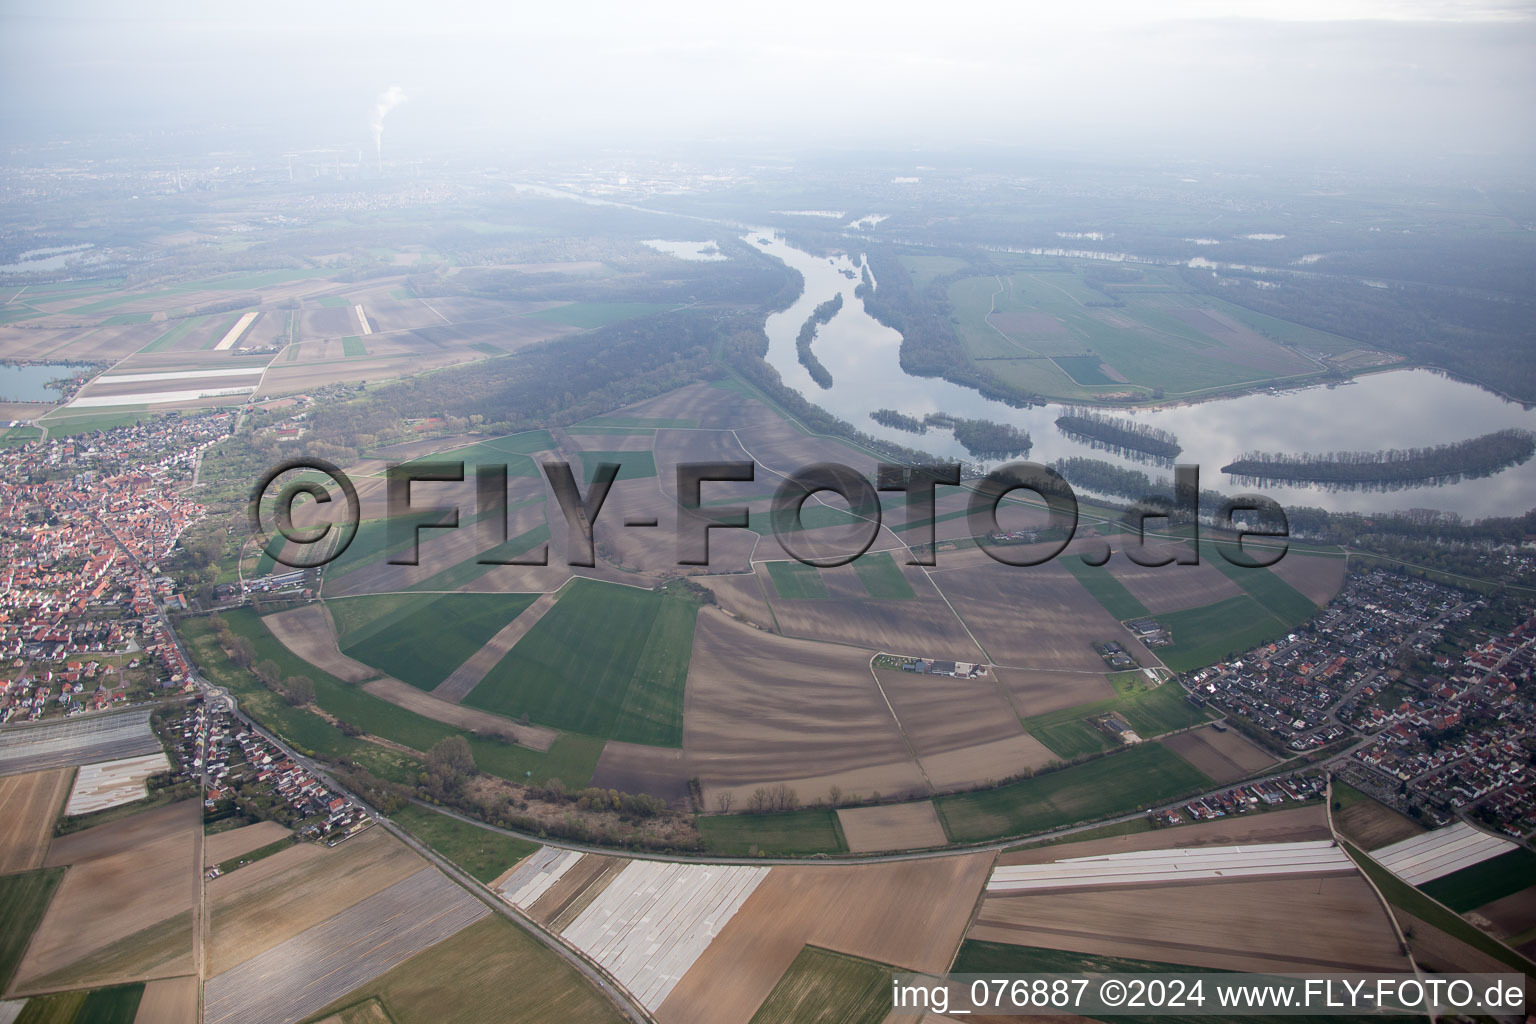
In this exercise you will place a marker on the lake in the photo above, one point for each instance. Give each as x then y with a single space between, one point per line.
29 383
1393 409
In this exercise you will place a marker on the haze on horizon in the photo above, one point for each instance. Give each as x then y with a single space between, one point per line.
1362 82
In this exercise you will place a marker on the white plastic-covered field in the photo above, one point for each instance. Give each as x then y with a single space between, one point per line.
82 740
99 786
1147 867
654 920
1439 853
535 875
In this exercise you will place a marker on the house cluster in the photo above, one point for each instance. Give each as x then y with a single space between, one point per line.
1442 699
933 667
247 773
1150 632
1115 656
1304 688
84 523
1246 799
1464 737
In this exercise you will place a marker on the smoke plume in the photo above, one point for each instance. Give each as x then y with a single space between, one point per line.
387 101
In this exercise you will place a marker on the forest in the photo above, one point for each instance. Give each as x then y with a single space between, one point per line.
820 315
1118 433
1443 463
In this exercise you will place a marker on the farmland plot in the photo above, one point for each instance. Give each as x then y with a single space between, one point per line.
324 963
29 804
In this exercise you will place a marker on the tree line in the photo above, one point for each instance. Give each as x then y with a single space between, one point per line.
1118 432
1478 457
822 314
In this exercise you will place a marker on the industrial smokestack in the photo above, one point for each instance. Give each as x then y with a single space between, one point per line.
387 101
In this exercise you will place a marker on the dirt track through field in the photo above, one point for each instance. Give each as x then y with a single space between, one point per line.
468 675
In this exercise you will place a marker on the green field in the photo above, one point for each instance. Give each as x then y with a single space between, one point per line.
796 581
571 759
23 900
1106 590
583 668
175 334
1048 332
1142 776
1083 369
480 851
790 833
823 986
882 577
353 346
422 639
1493 879
597 314
1208 634
1400 894
500 975
1150 710
225 867
116 1005
10 436
122 416
636 465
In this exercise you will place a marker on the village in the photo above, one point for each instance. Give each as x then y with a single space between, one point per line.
85 523
1419 679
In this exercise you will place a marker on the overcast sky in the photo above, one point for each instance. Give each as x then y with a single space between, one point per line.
1355 78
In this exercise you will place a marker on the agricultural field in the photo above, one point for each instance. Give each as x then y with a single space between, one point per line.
123 912
1225 756
479 851
822 985
1149 710
787 833
626 690
1333 920
1484 882
1142 776
24 898
1369 822
57 744
1058 333
845 909
501 975
763 709
29 804
421 639
909 826
329 960
281 896
110 783
119 1004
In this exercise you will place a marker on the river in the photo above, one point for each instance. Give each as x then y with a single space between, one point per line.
1392 409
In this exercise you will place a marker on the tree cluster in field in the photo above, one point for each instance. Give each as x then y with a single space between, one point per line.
1118 432
822 314
899 421
985 439
1443 463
